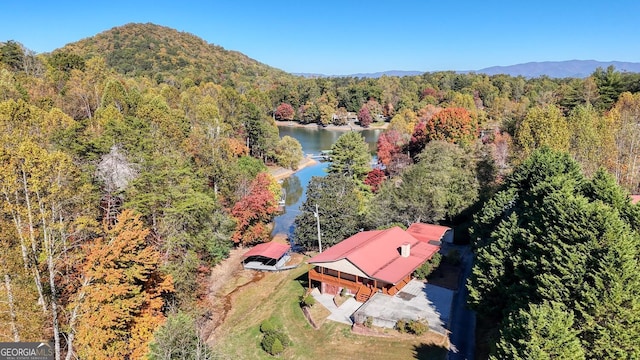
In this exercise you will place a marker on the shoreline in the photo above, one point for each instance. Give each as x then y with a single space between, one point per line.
349 127
280 173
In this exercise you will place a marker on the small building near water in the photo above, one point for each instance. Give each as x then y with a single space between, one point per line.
269 256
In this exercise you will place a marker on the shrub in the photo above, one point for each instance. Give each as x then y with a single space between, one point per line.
277 347
427 268
273 341
368 322
417 327
267 342
401 326
267 327
307 301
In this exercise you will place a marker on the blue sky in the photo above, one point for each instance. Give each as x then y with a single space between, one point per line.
345 37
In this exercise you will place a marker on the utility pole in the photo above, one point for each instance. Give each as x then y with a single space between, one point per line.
316 214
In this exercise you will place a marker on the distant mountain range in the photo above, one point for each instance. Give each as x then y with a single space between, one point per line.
554 69
560 69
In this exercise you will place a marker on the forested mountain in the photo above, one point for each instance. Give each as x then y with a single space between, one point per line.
166 54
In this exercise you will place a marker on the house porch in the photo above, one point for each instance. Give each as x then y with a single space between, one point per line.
333 281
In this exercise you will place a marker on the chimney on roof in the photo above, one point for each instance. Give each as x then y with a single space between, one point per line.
405 250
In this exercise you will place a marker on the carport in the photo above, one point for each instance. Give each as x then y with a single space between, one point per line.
270 256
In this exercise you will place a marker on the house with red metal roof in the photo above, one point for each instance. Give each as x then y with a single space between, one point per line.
376 261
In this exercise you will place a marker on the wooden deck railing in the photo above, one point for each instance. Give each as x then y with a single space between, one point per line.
332 280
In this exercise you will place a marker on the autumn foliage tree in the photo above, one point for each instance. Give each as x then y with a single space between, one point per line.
121 302
374 178
455 125
289 153
255 210
284 112
389 143
364 116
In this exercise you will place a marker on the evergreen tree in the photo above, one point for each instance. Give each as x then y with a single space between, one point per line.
541 332
609 305
350 156
338 200
559 238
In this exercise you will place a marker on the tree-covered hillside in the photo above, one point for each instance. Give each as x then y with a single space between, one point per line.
165 54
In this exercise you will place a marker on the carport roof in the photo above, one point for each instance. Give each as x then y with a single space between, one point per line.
272 250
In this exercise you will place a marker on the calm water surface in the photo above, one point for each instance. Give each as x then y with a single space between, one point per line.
313 141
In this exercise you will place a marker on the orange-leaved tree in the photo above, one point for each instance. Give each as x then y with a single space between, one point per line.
455 125
255 210
121 302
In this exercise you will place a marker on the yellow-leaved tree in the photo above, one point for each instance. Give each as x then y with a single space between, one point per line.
543 126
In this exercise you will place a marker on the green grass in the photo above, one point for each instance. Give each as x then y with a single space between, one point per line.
277 296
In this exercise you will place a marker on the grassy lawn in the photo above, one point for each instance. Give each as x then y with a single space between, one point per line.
276 296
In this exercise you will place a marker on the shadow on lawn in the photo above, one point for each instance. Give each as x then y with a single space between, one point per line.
303 280
429 352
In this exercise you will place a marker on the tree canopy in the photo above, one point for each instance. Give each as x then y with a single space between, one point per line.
338 201
552 235
439 187
350 156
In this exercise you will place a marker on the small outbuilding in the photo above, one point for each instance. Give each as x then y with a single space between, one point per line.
269 256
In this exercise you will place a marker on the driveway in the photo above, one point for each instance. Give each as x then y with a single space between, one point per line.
416 301
463 322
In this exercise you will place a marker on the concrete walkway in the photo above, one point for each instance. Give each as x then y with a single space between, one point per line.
340 314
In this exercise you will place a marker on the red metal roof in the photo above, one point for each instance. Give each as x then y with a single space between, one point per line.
635 199
271 250
377 253
426 232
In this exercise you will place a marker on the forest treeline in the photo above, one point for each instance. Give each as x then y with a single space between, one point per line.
132 164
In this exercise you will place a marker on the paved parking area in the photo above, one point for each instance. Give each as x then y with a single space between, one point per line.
416 301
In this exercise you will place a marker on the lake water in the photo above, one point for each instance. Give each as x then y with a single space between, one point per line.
313 141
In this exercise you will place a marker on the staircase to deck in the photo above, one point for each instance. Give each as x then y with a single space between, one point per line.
363 294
